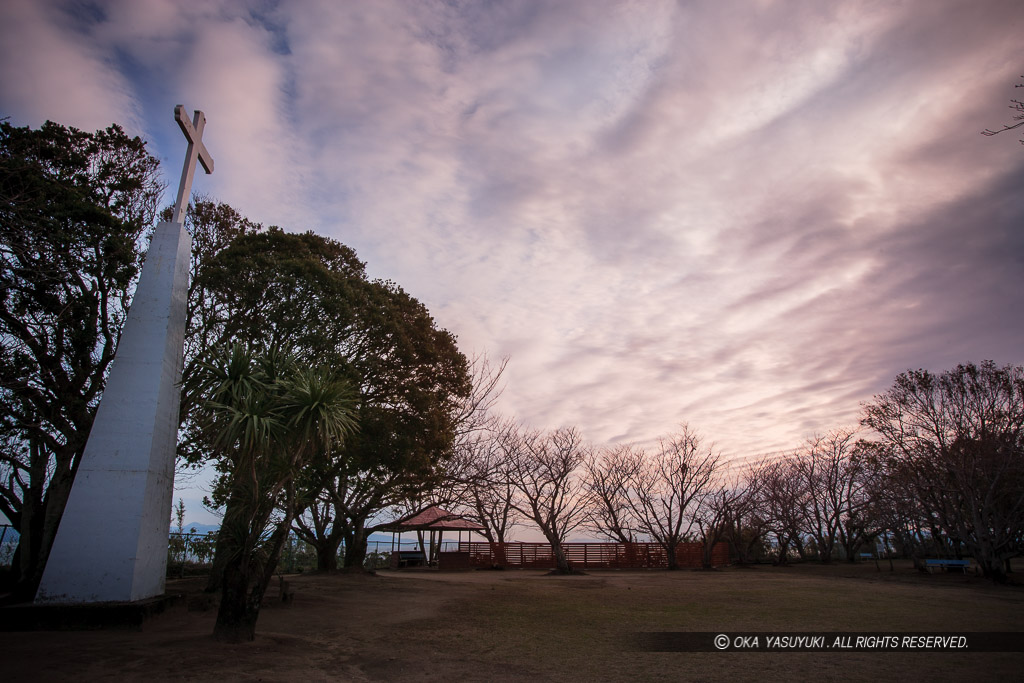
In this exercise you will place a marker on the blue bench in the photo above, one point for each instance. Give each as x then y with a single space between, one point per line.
962 565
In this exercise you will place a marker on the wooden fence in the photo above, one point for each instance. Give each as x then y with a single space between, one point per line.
589 555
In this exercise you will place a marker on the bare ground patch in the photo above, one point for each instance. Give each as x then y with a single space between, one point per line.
523 625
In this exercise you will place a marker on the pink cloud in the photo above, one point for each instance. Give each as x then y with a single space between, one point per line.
748 221
50 71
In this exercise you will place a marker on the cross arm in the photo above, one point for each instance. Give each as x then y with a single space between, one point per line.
194 134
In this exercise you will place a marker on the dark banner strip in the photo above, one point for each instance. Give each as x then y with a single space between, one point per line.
828 641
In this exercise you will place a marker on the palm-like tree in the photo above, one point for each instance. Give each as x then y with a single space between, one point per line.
268 417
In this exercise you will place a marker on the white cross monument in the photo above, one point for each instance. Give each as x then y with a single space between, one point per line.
111 545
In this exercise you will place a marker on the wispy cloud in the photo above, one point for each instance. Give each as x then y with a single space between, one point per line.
746 218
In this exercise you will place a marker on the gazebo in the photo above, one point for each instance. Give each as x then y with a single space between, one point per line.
436 520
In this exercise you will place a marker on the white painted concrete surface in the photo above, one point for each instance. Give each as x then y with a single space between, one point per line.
112 541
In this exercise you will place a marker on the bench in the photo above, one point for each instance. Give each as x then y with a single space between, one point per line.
408 558
962 565
867 556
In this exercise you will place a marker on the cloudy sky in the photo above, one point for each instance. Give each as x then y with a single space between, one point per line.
747 216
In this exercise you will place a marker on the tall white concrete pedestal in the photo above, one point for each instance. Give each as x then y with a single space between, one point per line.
111 545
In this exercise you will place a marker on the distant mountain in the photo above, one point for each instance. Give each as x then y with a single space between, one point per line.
195 528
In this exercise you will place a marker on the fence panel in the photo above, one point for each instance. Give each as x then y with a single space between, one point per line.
589 555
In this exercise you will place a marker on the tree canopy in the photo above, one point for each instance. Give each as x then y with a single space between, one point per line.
956 440
74 207
311 294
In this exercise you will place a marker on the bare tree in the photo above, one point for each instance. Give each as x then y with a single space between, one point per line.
859 521
609 482
746 522
893 506
782 497
545 469
475 412
667 490
732 510
477 426
836 488
476 482
1017 106
712 518
482 481
957 440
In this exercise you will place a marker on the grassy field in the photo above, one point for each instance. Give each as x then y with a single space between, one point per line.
523 625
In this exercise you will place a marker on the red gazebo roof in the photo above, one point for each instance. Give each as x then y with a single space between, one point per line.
433 518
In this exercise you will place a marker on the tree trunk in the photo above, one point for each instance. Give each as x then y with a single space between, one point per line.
498 554
888 551
56 501
783 559
355 547
218 565
234 519
40 519
825 547
236 618
26 558
561 561
707 549
670 551
801 549
992 568
327 553
245 580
